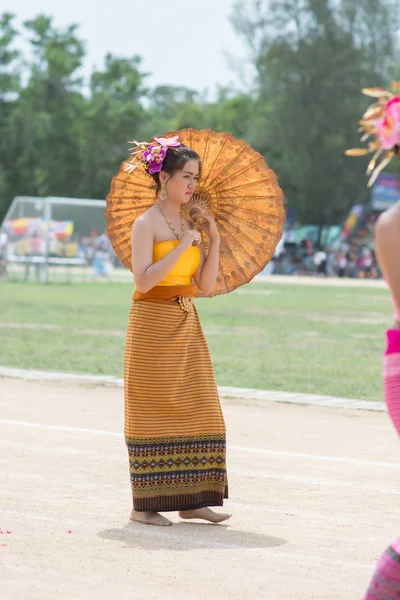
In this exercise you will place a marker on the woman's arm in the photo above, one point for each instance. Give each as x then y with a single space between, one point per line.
146 273
387 240
207 272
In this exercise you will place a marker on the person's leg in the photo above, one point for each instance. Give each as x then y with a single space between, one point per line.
391 375
385 583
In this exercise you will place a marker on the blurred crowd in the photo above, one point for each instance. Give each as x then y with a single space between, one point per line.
351 254
349 257
348 261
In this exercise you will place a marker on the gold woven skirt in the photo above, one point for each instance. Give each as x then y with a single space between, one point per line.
174 427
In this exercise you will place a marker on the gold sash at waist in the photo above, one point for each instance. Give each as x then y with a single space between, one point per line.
183 294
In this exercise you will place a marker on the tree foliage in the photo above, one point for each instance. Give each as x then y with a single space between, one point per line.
62 136
311 59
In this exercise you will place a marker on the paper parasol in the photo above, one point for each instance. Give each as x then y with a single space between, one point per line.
236 187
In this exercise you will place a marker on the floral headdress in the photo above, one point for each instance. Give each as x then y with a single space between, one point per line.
382 121
151 154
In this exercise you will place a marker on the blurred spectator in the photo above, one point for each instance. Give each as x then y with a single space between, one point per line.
330 263
3 254
35 246
341 264
321 261
366 263
101 262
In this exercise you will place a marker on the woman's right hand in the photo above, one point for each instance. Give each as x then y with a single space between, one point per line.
190 237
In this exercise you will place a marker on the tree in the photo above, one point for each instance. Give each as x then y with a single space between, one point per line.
375 25
9 89
310 66
60 138
114 113
46 119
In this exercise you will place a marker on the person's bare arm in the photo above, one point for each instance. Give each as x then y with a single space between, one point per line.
146 273
207 272
387 240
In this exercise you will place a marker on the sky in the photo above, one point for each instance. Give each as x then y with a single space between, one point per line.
182 42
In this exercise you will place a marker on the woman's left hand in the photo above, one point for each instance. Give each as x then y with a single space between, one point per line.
207 224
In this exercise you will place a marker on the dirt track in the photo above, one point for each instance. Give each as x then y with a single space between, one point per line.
313 494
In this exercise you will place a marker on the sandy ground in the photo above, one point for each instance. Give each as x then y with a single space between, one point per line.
313 492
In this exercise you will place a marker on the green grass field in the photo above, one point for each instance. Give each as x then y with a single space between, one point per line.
299 338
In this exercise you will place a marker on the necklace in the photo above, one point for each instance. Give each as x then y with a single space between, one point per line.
176 234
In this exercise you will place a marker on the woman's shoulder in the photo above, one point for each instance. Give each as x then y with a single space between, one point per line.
146 220
390 218
148 214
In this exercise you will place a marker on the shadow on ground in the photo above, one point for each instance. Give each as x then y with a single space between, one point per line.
189 536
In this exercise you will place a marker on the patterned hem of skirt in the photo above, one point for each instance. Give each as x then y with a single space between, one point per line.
180 502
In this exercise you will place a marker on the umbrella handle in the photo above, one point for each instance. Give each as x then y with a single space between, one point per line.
195 215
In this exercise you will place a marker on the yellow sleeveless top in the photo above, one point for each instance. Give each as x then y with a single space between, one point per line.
185 268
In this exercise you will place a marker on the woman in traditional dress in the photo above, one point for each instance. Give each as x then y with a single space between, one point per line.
381 125
174 427
385 584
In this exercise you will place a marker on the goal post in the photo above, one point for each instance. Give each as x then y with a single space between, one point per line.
58 239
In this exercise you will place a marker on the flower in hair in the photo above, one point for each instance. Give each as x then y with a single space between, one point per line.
381 123
152 155
153 159
168 142
388 126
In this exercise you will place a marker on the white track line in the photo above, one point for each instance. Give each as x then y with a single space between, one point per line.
242 449
225 392
298 480
60 428
315 481
339 459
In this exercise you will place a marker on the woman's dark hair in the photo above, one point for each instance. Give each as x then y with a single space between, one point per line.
175 160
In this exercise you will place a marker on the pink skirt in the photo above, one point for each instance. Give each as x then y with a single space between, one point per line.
385 584
391 376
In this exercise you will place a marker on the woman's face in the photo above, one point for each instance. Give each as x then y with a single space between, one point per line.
181 185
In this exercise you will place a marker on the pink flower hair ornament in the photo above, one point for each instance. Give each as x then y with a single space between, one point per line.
381 121
150 154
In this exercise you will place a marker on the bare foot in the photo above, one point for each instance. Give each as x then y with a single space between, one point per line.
204 513
150 518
